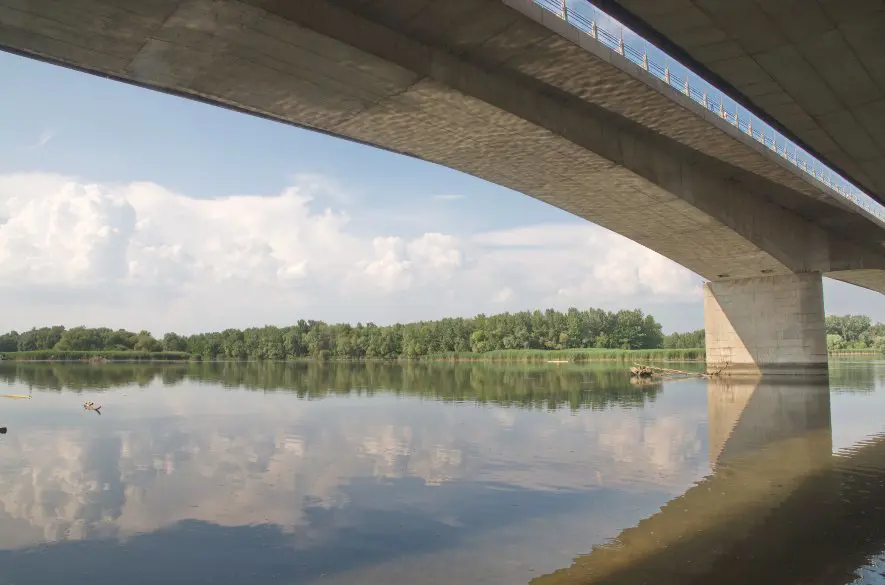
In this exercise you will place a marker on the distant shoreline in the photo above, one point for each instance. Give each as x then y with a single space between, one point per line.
536 356
565 356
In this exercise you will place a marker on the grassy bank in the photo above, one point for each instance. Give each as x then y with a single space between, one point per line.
573 355
75 356
851 352
536 356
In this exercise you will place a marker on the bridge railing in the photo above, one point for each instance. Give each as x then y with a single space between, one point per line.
625 42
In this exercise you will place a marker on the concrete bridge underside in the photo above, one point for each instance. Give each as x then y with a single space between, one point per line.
507 92
816 68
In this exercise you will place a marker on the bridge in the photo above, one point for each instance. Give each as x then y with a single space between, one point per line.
533 99
779 506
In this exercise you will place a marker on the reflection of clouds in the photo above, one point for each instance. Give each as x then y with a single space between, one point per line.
666 444
249 459
60 495
505 417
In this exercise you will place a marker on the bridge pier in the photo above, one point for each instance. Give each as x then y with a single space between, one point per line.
766 325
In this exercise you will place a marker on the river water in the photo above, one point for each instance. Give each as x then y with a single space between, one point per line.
438 474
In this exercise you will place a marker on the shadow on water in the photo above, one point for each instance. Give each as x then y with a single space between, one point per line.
778 507
526 386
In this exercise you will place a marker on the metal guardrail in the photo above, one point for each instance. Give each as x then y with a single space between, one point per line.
623 41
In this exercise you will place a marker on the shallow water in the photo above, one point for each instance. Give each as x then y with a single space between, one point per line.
359 474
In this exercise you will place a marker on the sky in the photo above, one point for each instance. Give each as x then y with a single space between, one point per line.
124 207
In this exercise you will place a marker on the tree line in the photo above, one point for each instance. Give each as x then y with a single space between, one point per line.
539 330
527 330
854 332
844 332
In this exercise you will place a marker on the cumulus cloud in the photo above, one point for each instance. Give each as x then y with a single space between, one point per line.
139 255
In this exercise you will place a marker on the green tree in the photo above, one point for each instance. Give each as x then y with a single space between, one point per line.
174 342
852 328
835 342
690 340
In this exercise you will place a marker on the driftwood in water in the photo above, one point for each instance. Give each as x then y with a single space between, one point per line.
642 371
646 371
91 406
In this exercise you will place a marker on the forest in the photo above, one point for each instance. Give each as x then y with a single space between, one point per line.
528 330
537 330
854 332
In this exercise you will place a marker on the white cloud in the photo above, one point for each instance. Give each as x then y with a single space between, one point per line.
43 140
138 255
503 295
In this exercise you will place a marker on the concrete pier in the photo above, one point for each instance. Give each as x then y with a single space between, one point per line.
766 325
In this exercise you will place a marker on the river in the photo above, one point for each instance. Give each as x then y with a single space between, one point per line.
437 474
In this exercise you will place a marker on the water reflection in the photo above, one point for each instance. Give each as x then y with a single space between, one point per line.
419 474
206 484
530 386
779 506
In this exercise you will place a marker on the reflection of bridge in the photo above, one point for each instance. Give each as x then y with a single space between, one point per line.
779 507
508 92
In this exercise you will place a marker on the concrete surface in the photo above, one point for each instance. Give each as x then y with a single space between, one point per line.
500 90
817 67
766 325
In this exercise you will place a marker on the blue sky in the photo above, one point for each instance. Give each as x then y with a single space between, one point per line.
126 207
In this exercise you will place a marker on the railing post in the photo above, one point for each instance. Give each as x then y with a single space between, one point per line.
685 88
706 104
593 31
737 121
621 42
564 9
722 107
667 74
645 59
750 127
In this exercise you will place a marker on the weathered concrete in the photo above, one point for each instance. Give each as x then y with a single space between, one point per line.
817 68
501 90
766 325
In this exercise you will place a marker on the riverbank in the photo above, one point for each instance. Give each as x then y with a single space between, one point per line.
503 356
535 356
854 352
51 355
572 355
